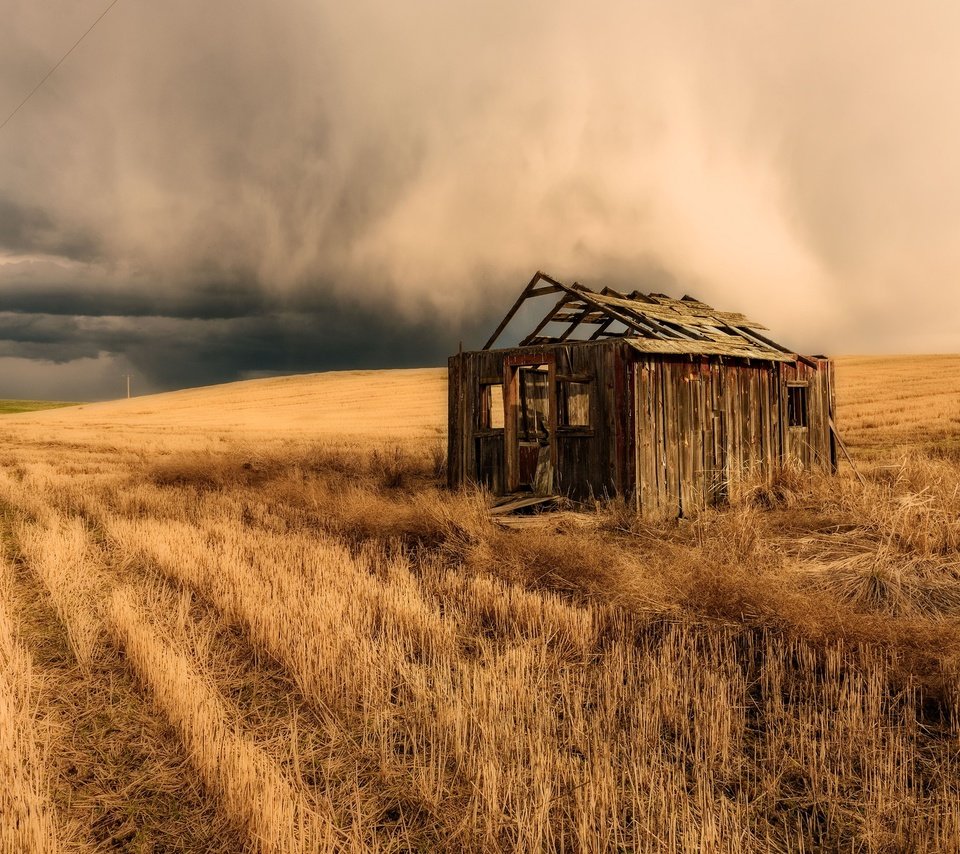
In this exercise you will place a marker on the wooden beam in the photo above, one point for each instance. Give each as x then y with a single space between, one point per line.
511 470
601 329
846 453
546 319
530 291
575 322
516 306
761 339
587 296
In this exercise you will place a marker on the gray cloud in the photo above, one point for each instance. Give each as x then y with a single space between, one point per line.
207 190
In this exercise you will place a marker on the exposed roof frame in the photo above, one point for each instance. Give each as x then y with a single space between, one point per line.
686 325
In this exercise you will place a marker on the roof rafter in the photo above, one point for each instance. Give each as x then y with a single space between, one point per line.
654 322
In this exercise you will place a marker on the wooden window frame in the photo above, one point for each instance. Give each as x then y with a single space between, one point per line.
564 428
805 409
486 409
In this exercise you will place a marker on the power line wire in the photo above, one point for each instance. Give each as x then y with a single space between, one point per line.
59 63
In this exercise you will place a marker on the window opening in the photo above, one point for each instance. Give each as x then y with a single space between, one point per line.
574 400
797 405
491 410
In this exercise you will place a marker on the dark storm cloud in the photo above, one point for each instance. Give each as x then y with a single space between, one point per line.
212 189
173 352
47 287
33 231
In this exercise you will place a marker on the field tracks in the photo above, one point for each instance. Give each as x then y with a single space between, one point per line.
115 775
241 646
254 790
60 554
29 822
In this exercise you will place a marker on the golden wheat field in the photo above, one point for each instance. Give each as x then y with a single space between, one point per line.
249 618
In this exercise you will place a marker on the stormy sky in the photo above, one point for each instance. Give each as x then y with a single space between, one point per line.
209 191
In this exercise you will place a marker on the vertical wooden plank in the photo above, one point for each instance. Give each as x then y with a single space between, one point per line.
695 446
704 433
720 434
652 426
729 382
659 441
756 419
807 435
673 436
824 372
470 375
743 420
823 425
682 379
608 463
690 382
750 403
623 404
743 429
641 436
813 418
651 433
510 449
708 431
746 417
733 425
552 423
669 441
664 490
776 414
454 421
640 477
766 428
691 438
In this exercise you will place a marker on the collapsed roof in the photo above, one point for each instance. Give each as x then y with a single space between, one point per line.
650 323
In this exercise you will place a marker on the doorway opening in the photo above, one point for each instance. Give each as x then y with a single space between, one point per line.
530 428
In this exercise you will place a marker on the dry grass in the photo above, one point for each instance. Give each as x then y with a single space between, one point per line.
65 562
354 659
28 822
254 790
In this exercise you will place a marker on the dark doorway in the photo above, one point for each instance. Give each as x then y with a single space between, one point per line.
530 427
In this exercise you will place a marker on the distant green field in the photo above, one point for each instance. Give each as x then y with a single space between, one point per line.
9 407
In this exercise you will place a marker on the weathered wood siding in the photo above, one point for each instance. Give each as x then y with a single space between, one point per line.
588 460
678 432
704 427
811 446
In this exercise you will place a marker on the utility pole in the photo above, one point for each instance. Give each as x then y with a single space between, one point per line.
128 384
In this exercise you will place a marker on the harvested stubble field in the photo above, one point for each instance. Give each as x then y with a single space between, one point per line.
248 618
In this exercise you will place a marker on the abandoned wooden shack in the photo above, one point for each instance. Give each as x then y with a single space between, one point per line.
667 401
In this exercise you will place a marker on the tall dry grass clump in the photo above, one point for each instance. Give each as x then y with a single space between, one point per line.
28 822
61 555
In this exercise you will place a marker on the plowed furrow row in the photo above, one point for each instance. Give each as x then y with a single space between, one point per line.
118 776
252 787
29 820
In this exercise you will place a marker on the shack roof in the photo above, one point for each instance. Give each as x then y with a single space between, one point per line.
650 323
